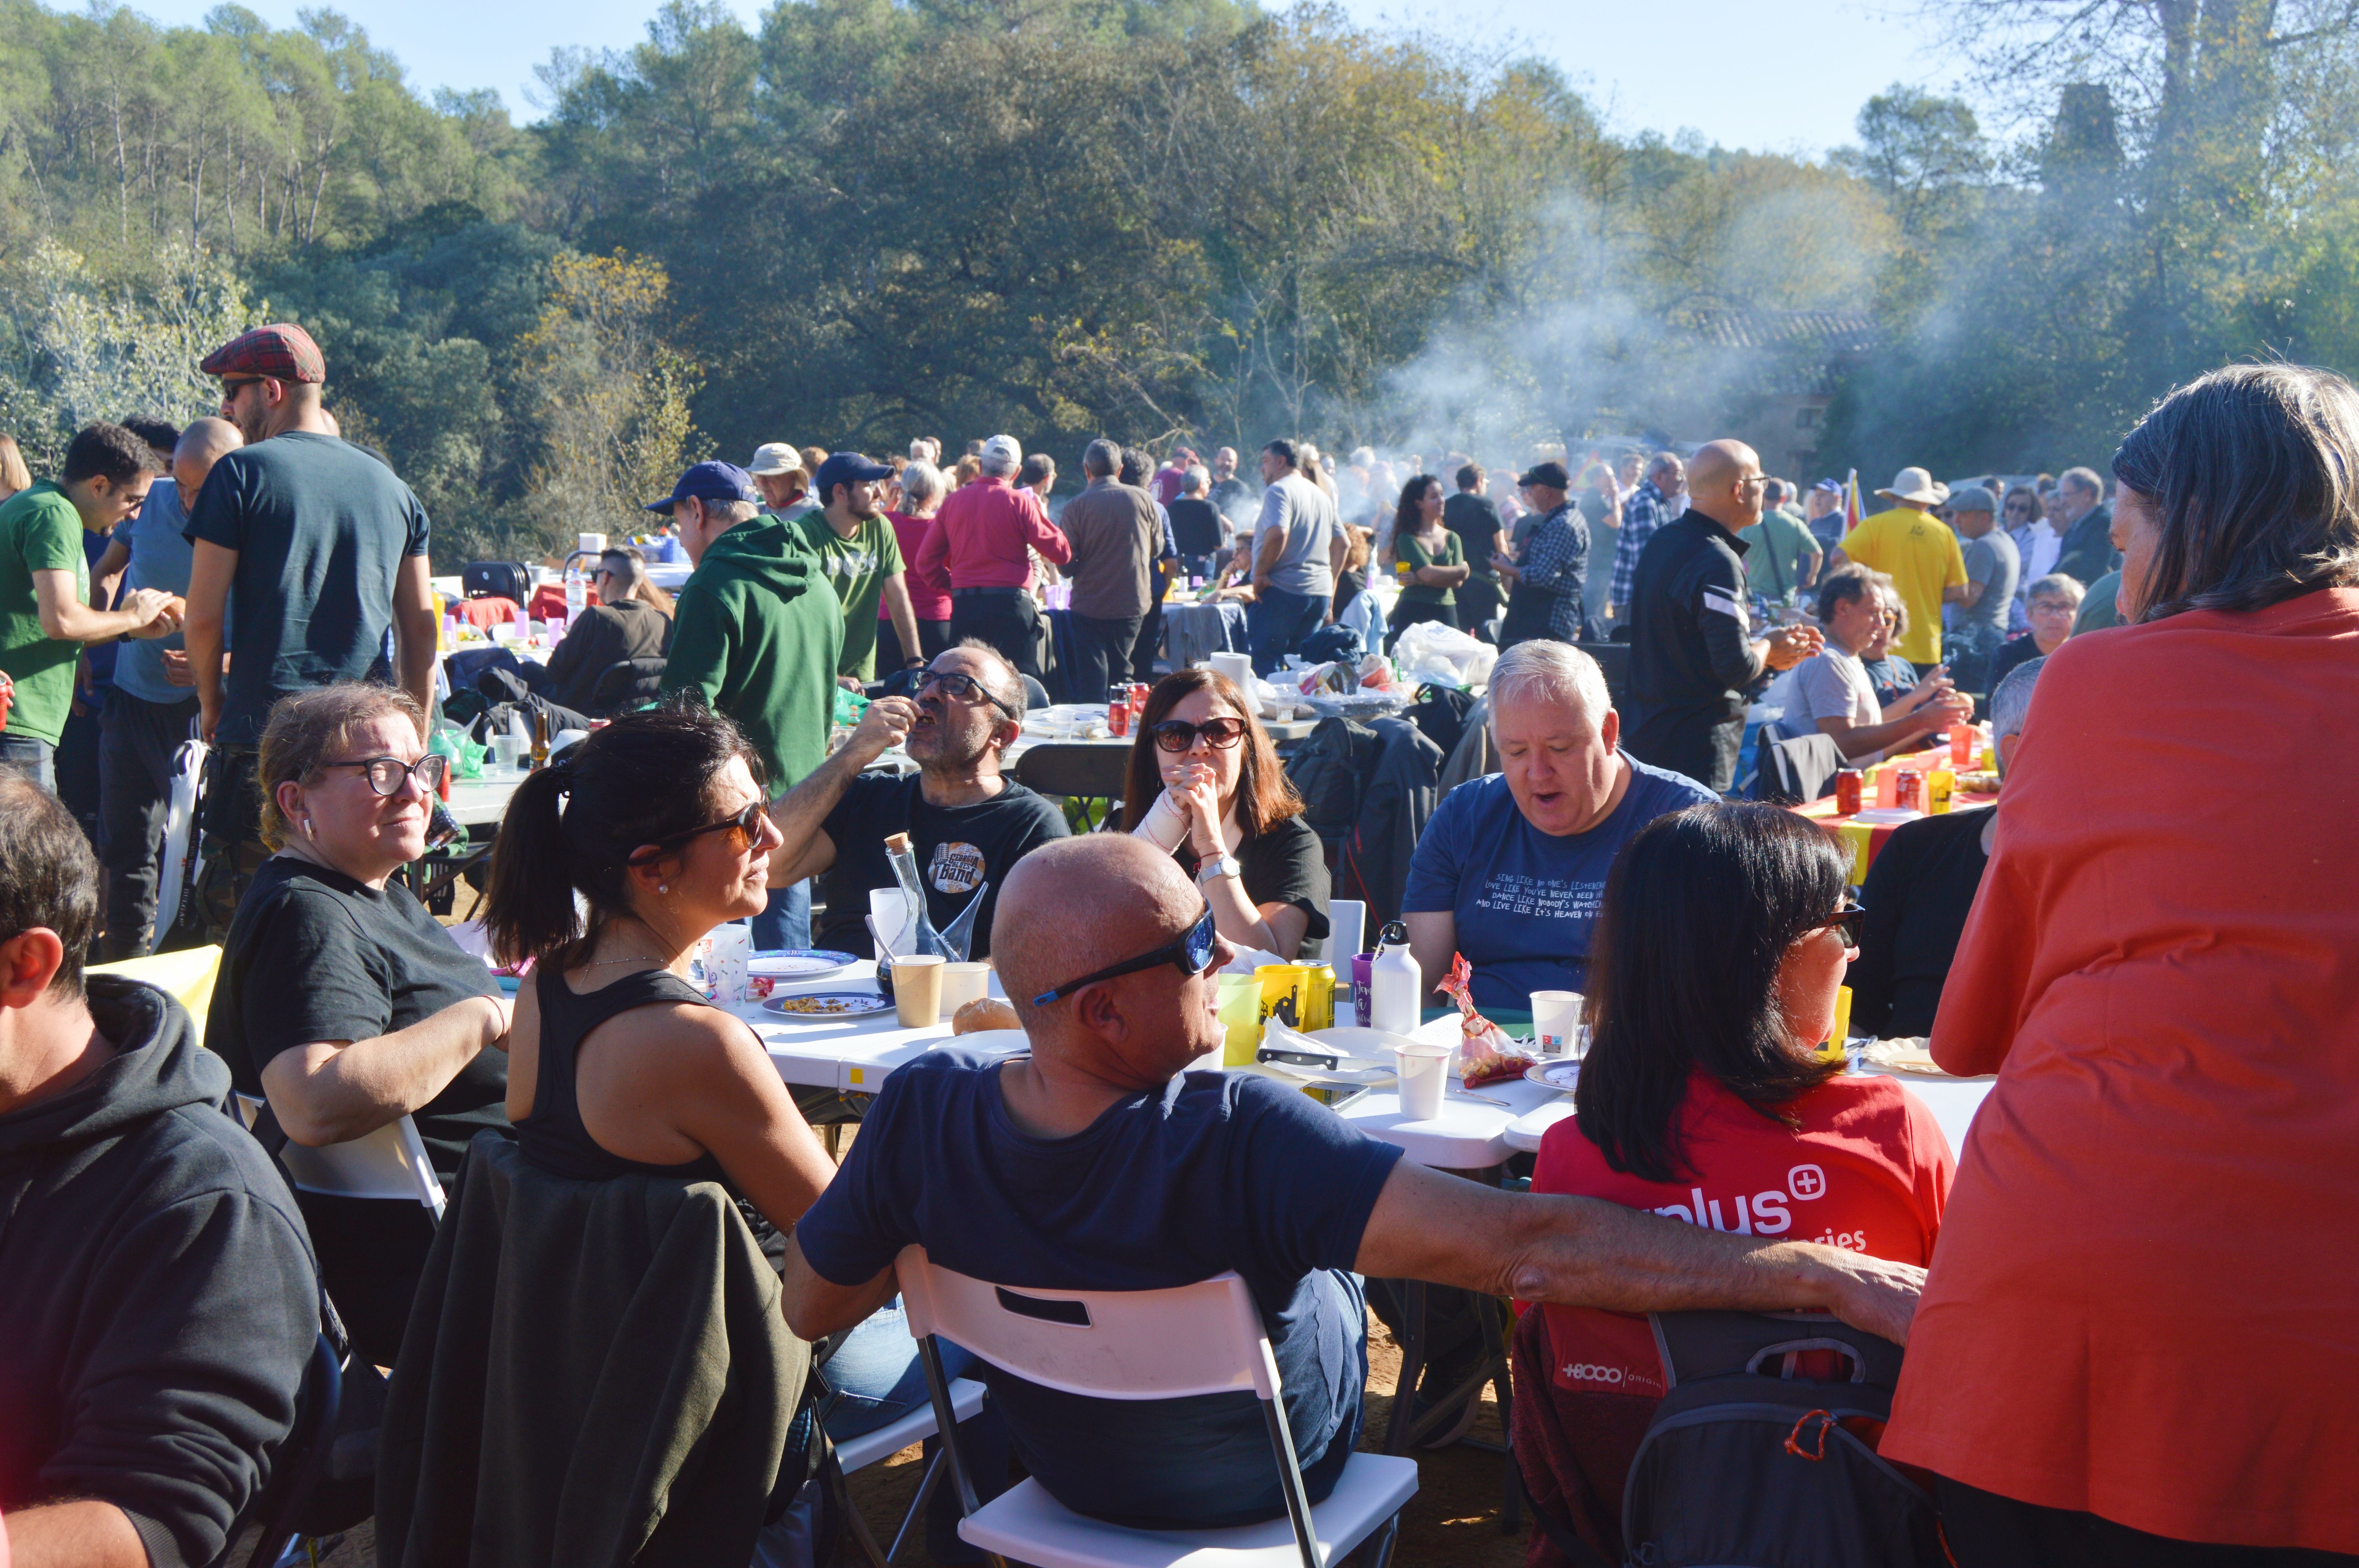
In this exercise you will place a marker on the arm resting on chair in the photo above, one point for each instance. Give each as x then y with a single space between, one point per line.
332 1091
816 1307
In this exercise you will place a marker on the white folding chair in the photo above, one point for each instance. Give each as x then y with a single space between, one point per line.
1204 1338
387 1163
857 1454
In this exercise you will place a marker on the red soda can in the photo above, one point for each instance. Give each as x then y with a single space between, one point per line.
1909 790
1118 710
1847 791
1961 745
1137 700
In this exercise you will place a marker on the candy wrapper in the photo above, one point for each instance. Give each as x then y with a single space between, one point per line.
1486 1050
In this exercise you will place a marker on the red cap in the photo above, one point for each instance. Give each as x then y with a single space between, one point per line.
282 351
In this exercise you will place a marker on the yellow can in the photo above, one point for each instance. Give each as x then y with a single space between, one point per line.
1317 997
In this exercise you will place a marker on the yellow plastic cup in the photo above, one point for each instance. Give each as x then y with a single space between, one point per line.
1238 1007
1832 1050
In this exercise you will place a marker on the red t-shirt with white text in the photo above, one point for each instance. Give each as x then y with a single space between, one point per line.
1867 1168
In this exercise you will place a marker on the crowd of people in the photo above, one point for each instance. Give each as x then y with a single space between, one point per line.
2163 979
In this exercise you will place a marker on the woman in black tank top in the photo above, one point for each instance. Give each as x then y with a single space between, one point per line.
617 1064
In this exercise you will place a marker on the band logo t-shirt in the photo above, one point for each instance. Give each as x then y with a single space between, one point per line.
1868 1168
959 849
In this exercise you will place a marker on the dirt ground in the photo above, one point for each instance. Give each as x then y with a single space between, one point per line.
1453 1519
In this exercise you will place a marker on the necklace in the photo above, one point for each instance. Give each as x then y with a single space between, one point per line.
600 963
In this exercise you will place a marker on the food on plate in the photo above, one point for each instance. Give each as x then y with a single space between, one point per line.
1485 1050
1978 782
983 1012
814 1006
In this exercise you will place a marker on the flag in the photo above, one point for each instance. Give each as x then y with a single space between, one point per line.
1852 510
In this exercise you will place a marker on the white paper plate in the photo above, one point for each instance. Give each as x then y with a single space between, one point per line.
1558 1075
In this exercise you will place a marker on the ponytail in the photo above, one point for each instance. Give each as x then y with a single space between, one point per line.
529 909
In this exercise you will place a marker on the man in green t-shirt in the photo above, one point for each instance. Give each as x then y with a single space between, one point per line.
861 558
1783 556
45 613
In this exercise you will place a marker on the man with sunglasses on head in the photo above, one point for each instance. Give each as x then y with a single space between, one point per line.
1099 1161
316 553
968 822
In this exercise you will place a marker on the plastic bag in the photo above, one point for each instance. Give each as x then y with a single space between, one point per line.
1430 652
849 705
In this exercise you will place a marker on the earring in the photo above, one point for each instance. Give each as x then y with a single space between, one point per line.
663 887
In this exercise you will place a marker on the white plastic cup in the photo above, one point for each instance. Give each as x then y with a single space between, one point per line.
1555 1015
726 964
891 910
964 983
1424 1071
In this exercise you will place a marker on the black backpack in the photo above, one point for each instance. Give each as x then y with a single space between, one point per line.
1747 1464
1330 771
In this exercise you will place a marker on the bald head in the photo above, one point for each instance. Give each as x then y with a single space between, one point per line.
1724 483
202 446
1075 905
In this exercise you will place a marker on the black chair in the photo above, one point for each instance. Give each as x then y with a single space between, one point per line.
1798 769
300 1464
626 686
1036 696
1613 658
1091 775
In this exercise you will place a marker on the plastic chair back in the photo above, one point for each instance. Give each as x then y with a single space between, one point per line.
1204 1338
187 976
389 1163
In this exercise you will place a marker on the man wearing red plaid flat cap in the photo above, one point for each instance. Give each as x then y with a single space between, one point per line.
315 554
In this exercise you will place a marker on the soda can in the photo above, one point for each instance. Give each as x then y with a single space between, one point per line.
1118 710
1137 700
1847 791
1318 996
1909 790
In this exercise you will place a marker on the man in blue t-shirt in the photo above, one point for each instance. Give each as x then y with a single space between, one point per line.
1098 1162
1512 866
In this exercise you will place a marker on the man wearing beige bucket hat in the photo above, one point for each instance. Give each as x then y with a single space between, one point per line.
1921 555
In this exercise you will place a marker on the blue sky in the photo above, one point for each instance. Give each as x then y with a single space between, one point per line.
1785 75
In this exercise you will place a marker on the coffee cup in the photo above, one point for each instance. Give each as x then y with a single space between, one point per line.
964 983
1554 1016
917 989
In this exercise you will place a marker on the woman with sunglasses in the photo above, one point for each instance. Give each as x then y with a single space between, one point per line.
1712 974
343 1005
618 1066
1205 785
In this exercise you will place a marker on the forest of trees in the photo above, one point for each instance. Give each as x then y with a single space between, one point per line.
874 218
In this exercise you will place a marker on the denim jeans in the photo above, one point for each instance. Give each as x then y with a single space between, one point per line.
138 742
1277 621
785 920
31 756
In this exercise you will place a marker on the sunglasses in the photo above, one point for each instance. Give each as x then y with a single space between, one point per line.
384 773
964 688
1847 920
1178 735
232 388
1191 953
746 826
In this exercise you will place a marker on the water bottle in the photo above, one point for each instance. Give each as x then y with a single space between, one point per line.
577 593
1395 987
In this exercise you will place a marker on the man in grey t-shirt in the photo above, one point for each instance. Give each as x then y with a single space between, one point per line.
1978 626
1298 546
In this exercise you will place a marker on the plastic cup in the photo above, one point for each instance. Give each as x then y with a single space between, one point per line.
917 989
1424 1072
1555 1015
964 983
725 964
891 910
1361 963
1238 1006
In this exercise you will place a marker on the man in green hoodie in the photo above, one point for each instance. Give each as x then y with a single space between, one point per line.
757 634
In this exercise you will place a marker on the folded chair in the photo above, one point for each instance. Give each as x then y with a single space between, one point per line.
1204 1338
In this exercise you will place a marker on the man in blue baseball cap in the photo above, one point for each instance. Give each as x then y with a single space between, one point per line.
756 635
857 550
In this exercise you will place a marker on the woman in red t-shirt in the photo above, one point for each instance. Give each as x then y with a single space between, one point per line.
1714 971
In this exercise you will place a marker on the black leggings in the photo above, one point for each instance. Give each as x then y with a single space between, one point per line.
1986 1530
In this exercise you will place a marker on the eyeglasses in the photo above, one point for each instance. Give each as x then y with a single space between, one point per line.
1178 735
384 773
745 825
964 688
232 388
1191 953
1847 920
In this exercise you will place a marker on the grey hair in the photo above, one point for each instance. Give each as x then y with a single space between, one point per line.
2057 585
2084 480
1664 462
1101 458
2012 700
1546 671
921 481
735 511
1003 681
1196 480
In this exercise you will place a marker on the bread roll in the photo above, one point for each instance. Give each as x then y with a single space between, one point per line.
983 1012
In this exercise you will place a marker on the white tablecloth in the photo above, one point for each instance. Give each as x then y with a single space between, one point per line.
1471 1133
853 1055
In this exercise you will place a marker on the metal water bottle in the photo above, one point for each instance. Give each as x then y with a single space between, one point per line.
1395 987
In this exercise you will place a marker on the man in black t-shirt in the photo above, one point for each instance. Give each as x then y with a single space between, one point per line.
1471 515
967 822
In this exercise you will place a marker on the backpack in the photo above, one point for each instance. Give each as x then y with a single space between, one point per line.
1749 1465
1330 771
1440 712
496 579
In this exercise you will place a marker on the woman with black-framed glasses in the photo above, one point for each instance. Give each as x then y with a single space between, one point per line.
342 1003
1713 974
1206 783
